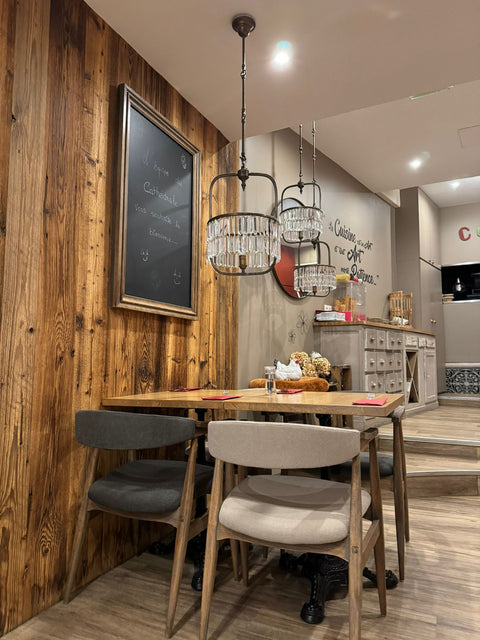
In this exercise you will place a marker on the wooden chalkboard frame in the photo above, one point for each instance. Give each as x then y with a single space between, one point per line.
129 100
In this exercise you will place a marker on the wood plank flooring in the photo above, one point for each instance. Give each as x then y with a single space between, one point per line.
443 422
438 600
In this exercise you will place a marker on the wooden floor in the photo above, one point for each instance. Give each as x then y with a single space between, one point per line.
462 422
439 599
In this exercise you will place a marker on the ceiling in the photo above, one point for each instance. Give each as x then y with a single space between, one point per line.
355 65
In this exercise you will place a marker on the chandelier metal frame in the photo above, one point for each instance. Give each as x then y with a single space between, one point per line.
314 279
243 243
303 222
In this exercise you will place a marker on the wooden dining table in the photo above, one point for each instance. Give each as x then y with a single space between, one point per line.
340 403
306 402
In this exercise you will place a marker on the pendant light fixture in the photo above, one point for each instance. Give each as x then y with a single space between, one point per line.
243 243
314 279
303 222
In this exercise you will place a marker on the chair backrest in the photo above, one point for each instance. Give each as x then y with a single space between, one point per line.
281 445
124 430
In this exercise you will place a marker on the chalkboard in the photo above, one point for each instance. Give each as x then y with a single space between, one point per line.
156 252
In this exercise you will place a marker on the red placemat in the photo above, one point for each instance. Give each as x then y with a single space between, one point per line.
375 401
289 390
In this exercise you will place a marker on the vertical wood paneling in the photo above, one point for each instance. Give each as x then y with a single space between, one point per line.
7 40
21 297
62 346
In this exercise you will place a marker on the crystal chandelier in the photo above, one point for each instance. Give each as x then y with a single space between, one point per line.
303 222
314 278
243 243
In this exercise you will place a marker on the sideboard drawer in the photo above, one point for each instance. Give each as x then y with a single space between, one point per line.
391 360
397 360
381 339
371 383
391 383
370 339
391 340
370 361
381 361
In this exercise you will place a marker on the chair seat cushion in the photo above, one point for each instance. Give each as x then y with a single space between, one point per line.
290 509
147 486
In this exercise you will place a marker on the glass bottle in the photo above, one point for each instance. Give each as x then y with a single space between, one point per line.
269 380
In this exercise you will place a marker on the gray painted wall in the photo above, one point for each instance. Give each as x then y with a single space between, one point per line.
452 219
272 325
462 319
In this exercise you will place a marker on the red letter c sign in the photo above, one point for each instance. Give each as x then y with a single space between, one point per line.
461 234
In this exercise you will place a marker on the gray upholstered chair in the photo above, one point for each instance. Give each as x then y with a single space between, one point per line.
294 513
154 490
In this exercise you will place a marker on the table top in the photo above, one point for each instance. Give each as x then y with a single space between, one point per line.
328 402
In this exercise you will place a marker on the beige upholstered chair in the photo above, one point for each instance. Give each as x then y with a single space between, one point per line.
393 476
154 490
295 513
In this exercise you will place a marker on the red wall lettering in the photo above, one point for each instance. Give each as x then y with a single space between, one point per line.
461 234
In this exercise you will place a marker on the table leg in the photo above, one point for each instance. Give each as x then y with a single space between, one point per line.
399 490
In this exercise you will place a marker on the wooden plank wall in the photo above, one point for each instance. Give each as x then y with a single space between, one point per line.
61 345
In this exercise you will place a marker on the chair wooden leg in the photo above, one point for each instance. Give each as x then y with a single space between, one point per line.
355 556
182 537
244 546
229 484
399 499
80 530
235 559
377 514
211 549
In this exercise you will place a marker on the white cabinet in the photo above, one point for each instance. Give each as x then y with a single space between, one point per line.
382 359
428 370
417 245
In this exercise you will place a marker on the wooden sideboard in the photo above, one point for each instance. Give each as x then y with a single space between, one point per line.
383 358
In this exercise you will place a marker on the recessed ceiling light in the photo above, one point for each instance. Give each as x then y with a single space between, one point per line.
415 163
455 184
282 54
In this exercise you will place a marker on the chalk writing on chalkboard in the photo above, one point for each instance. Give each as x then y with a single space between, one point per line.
156 253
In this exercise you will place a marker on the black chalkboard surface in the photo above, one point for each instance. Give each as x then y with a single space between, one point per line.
156 253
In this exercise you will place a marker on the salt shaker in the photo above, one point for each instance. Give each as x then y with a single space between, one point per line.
269 380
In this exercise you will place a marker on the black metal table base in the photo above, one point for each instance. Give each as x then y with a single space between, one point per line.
324 572
195 551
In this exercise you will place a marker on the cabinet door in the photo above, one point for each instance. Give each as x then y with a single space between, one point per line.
430 376
432 315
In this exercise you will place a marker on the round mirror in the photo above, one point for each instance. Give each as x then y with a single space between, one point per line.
284 268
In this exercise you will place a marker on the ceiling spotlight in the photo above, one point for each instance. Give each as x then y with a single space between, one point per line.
282 54
455 184
415 163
